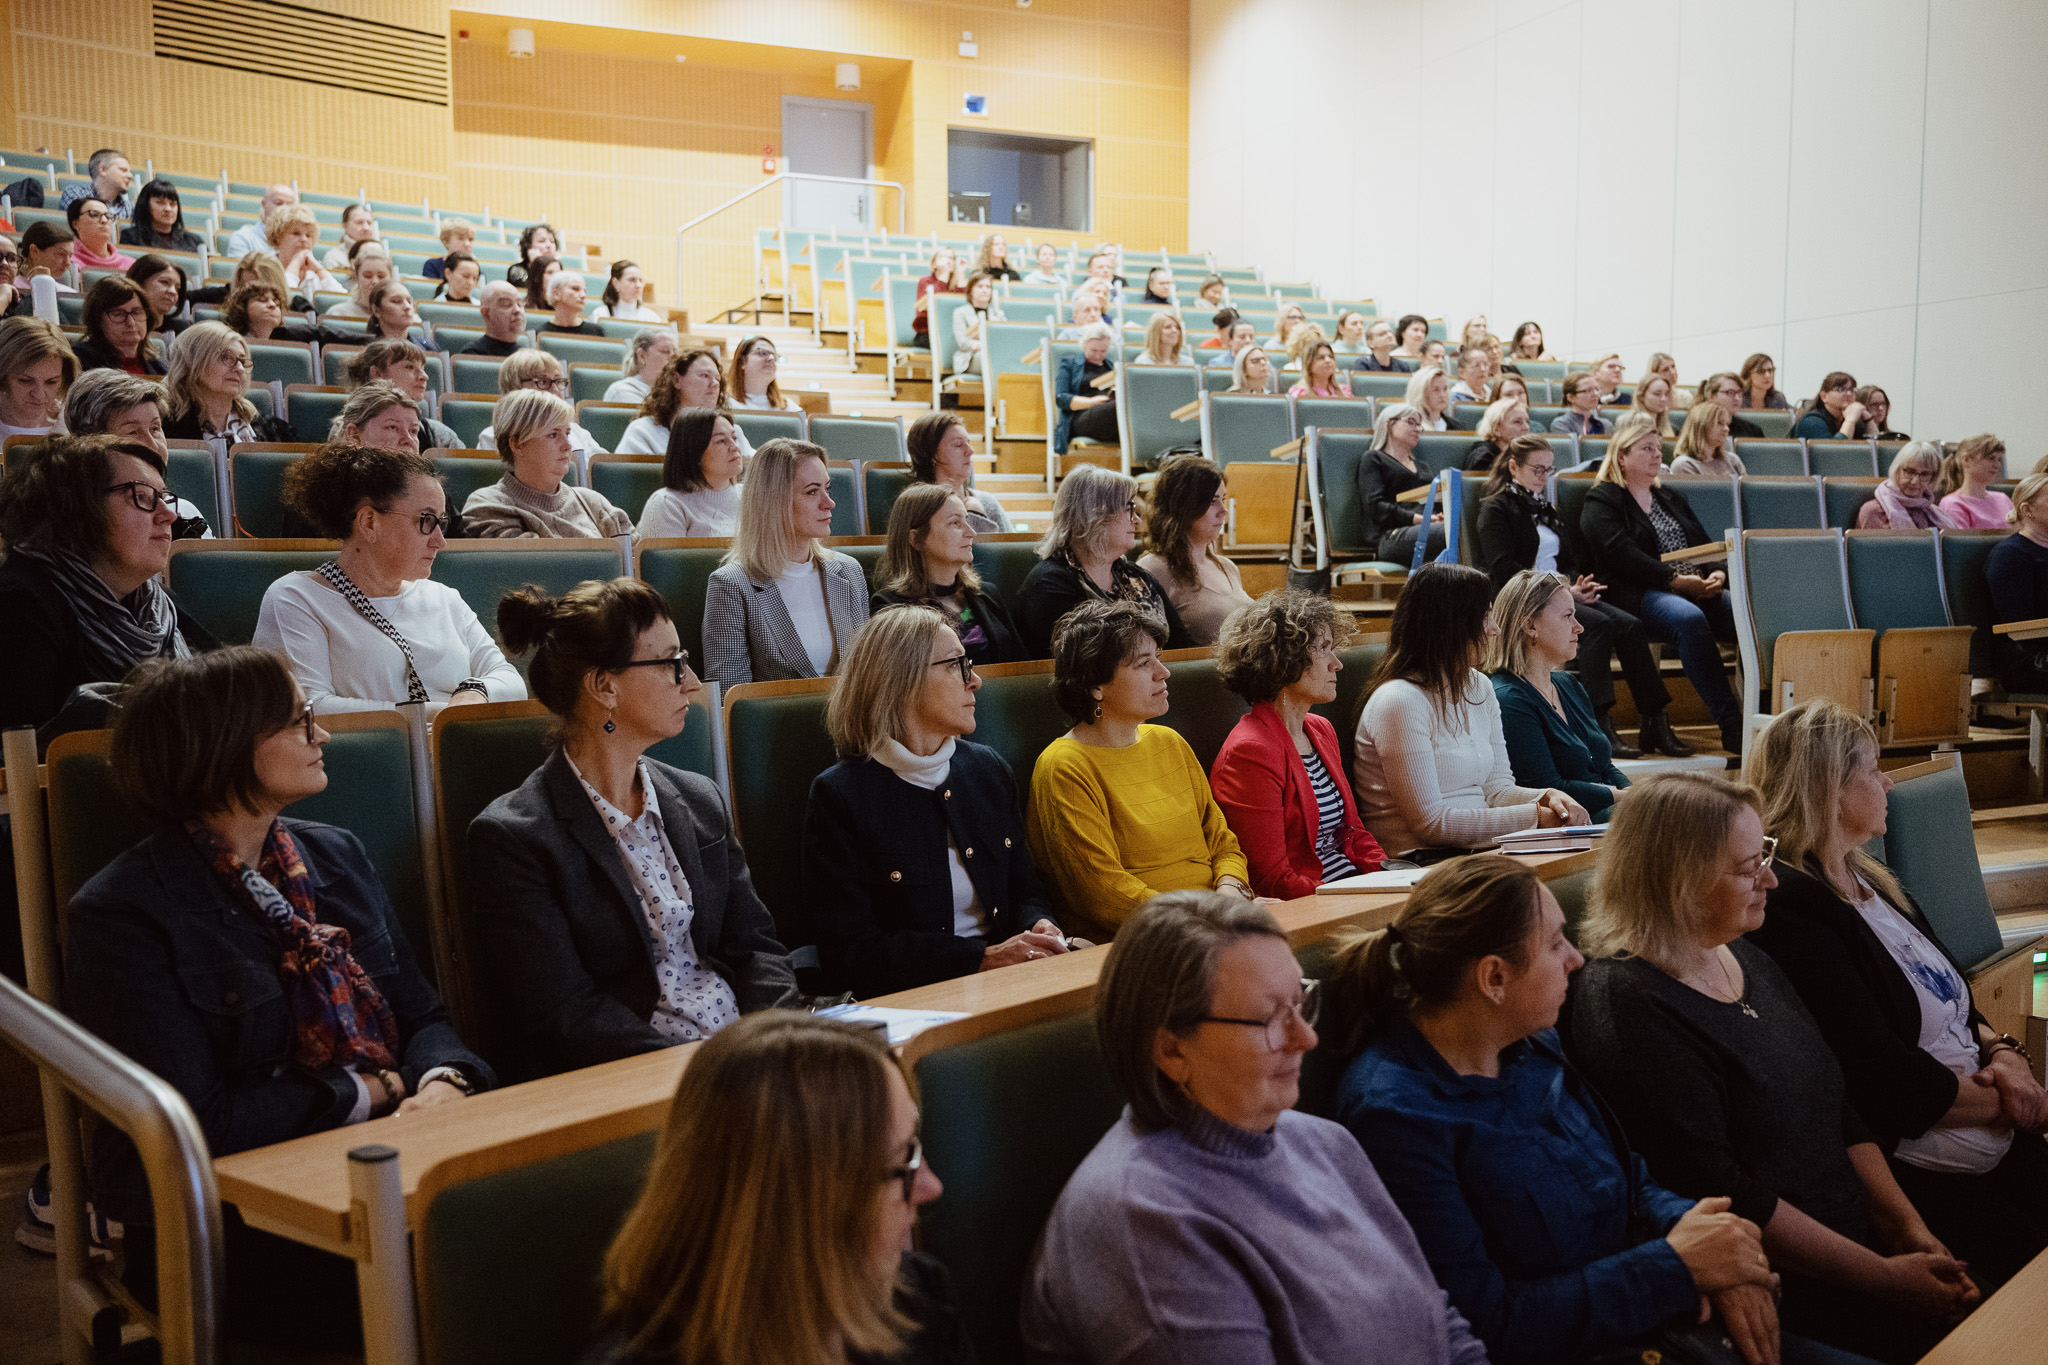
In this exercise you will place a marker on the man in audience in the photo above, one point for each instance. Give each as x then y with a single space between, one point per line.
1725 389
1102 266
249 236
504 320
1242 334
109 180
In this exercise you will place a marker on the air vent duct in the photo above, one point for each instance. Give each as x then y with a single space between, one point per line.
298 43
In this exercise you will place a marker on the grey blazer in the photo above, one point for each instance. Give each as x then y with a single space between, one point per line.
566 954
748 636
1572 424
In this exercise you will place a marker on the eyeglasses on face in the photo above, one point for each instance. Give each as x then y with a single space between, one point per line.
145 497
678 661
1275 1024
9 257
429 523
97 215
913 1162
1763 860
306 720
552 383
963 663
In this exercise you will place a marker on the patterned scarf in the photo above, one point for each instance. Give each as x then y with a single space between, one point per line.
415 690
118 632
1538 505
1127 583
339 1017
1910 514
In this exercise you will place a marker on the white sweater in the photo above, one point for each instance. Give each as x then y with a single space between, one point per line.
645 436
1421 785
343 663
706 512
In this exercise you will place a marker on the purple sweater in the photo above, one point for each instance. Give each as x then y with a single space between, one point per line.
1209 1245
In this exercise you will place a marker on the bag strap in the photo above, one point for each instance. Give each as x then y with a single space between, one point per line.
335 577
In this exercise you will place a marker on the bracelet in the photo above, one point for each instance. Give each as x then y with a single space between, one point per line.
473 685
2005 1042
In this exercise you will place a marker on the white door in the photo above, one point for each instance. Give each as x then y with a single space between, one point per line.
828 137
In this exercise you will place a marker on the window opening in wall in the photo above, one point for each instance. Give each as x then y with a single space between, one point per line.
1011 180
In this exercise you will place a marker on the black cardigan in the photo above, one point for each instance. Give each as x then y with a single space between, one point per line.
186 427
1862 1001
1624 546
1380 477
1004 646
1507 539
874 857
1053 588
94 354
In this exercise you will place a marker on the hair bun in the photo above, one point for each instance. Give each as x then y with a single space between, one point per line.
525 616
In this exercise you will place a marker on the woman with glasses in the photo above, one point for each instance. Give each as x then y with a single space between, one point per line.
1095 524
532 368
1388 470
1906 500
690 1276
14 295
369 630
533 499
88 526
1759 377
1215 1221
914 843
92 223
1834 414
610 903
118 322
1722 1080
205 393
750 379
1189 511
929 561
252 961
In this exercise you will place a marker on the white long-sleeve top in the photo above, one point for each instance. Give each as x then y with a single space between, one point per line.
1421 784
343 663
645 436
706 512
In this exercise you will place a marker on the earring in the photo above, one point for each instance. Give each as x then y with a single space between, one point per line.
609 727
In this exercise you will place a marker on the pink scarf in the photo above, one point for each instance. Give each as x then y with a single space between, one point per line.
1911 514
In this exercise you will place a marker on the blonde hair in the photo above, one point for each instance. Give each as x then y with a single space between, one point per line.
26 341
1237 379
763 1191
524 414
1664 842
766 542
1417 394
1693 439
1308 334
1633 427
1281 331
1495 414
199 346
1594 368
284 216
2028 489
1089 499
452 228
1662 419
1525 597
526 363
889 663
1155 327
1982 445
1802 762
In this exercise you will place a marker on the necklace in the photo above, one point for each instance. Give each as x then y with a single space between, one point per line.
1729 977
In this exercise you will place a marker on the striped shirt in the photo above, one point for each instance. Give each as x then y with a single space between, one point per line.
1329 819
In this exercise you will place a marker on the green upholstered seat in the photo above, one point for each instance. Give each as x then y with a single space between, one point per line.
1436 451
1894 580
1772 565
437 313
778 745
1388 388
846 499
679 573
189 474
1244 426
597 350
1592 450
1007 1118
1929 845
1781 505
869 557
1338 455
468 416
1711 500
606 422
1843 499
1855 459
1215 378
474 374
1004 565
285 364
462 475
484 571
1772 457
1200 708
762 427
626 481
1147 398
1574 892
1969 598
1017 717
881 485
862 440
312 413
1343 414
223 589
1775 423
1353 680
588 383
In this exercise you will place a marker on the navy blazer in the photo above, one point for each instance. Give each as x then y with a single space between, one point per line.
566 955
1547 750
1066 384
162 963
874 857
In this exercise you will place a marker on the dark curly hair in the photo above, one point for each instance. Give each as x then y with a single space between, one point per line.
111 292
1181 497
1265 648
1088 646
53 494
665 395
235 311
331 485
595 624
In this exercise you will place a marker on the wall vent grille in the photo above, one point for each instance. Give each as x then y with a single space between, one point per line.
299 43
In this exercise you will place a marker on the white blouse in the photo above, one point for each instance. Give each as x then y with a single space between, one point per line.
645 436
1421 783
631 389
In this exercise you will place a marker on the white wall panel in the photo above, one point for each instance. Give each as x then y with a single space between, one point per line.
1979 371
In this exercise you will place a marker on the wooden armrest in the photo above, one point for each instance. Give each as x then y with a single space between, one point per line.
2023 630
1104 382
1033 357
1997 813
1288 451
1938 764
1414 494
1713 549
879 279
1187 412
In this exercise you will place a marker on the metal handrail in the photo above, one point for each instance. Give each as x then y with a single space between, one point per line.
776 179
190 1258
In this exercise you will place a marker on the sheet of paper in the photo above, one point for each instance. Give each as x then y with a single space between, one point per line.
1394 879
903 1025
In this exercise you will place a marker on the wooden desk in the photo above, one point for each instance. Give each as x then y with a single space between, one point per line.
2009 1328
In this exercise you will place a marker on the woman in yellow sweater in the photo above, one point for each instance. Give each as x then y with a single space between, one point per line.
1121 810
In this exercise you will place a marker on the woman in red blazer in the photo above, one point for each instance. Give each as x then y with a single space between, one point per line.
1280 776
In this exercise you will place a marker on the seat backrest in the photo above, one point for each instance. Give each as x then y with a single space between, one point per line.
1388 388
221 583
509 1262
1796 582
189 474
462 475
606 422
483 571
1895 580
1711 500
589 382
282 362
1015 715
597 350
1147 398
1781 505
1856 459
474 373
1245 426
846 498
1200 708
1969 597
1782 458
1007 1119
860 439
777 743
900 296
468 416
256 482
1353 680
1335 488
312 410
882 484
1009 343
680 570
1436 451
762 427
626 481
1929 845
1843 499
1571 508
1004 561
1332 412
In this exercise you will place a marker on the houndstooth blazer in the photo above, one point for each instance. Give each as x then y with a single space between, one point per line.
748 636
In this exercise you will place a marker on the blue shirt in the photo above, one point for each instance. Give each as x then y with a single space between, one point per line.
1517 1195
1568 752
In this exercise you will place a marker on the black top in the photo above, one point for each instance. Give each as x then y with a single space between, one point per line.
1054 587
1507 538
1623 544
566 954
1717 1101
1479 457
925 1297
186 427
489 345
986 632
1380 477
46 657
94 354
875 858
314 331
2016 572
162 963
1395 365
581 329
1862 1001
149 239
1001 272
1742 429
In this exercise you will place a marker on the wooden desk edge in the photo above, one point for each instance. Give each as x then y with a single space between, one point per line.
2008 1326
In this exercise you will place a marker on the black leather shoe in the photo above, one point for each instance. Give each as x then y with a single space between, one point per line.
1731 737
1657 737
1614 740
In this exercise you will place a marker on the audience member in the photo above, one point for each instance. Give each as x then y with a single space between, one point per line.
1241 338
1714 1067
1653 396
1662 363
1350 334
1215 1221
251 961
108 177
690 1274
1319 373
532 368
566 296
532 500
1165 341
1189 512
1095 525
929 561
1159 286
1954 1102
946 275
970 324
251 236
750 378
118 322
941 452
1554 738
700 478
1047 272
1429 763
112 403
1726 389
159 223
369 630
1877 413
358 224
992 258
163 289
1541 1223
1102 273
652 349
377 414
782 605
458 238
1413 332
1608 373
1518 529
1630 522
1279 776
392 315
1085 411
540 275
625 295
241 308
48 247
1582 398
404 365
14 295
2016 574
1379 356
1834 413
1291 316
370 271
535 242
690 380
206 393
1758 377
1704 450
460 277
1505 421
914 888
1086 313
1508 385
290 231
1213 293
1475 370
1527 344
1905 500
88 526
1429 398
1389 469
1225 322
37 368
92 223
1121 809
1251 371
1967 474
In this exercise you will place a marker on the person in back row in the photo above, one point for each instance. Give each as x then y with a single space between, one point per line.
1905 500
534 498
566 295
369 630
1967 474
929 561
1582 402
942 453
652 349
1216 1222
249 237
700 478
500 307
614 911
404 366
913 843
118 322
1189 509
1082 559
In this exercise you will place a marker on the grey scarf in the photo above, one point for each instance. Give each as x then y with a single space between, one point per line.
119 632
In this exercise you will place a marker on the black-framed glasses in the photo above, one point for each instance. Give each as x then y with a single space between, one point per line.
144 497
430 523
677 661
306 720
907 1172
9 257
1131 508
97 215
963 663
1275 1024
